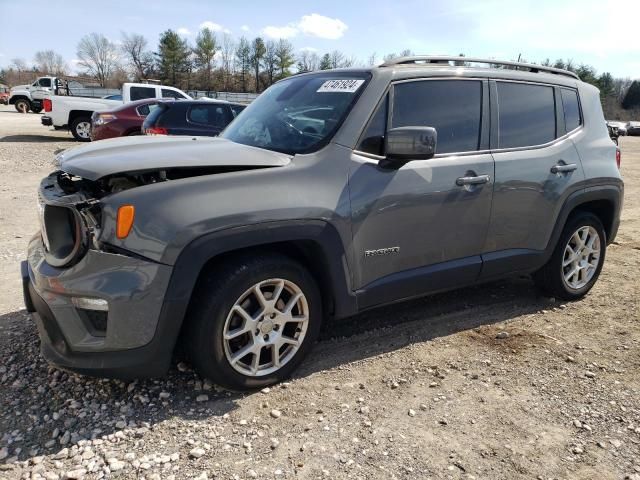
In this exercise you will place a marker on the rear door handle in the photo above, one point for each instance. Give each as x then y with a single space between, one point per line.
561 168
479 180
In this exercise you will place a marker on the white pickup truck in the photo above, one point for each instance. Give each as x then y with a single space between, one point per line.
75 113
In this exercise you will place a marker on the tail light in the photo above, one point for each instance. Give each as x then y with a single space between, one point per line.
618 158
155 131
48 106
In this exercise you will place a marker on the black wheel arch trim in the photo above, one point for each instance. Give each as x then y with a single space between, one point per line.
199 252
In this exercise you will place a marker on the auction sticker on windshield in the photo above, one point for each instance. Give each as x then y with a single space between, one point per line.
344 85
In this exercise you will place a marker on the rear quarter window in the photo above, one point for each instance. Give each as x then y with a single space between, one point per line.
571 108
526 114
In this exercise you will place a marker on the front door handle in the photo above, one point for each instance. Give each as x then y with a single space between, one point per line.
562 168
479 180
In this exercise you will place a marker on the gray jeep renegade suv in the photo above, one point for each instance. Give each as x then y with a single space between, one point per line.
332 193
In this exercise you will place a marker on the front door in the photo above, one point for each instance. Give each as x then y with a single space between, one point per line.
422 226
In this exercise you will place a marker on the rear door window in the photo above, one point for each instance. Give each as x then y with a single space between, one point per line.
141 93
212 115
452 107
571 107
527 114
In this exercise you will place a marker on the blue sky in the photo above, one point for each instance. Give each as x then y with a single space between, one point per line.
598 32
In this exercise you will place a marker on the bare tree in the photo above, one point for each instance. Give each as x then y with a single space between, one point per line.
337 59
226 55
269 61
20 66
98 55
371 61
134 48
48 61
308 61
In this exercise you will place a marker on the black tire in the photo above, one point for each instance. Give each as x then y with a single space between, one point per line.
77 128
214 298
36 110
550 279
23 105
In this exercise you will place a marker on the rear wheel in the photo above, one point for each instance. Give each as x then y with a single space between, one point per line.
23 105
577 259
253 321
81 129
36 109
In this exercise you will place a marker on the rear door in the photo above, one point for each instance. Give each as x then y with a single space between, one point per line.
420 227
536 168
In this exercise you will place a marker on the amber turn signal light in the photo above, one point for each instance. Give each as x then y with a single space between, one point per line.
124 221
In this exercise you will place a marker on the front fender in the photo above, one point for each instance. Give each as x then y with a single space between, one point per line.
322 234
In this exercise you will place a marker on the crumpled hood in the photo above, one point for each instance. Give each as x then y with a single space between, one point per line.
145 153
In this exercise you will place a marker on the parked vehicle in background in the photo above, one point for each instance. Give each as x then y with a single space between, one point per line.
621 127
4 95
122 121
74 113
613 133
195 117
113 97
334 192
633 128
22 95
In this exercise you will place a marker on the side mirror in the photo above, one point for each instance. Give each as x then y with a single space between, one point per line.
411 143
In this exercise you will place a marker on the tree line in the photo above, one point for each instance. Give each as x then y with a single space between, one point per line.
218 62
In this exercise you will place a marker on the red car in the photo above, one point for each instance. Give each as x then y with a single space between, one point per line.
121 121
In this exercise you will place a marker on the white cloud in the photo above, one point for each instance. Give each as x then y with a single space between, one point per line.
287 31
313 25
245 28
214 27
308 49
185 32
320 26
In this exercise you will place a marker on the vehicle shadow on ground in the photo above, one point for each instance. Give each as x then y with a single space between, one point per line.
35 138
27 382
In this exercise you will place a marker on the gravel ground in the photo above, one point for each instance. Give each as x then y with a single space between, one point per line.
490 382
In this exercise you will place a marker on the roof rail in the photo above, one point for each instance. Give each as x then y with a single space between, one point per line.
428 59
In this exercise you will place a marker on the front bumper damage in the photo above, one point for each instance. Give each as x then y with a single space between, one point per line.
97 309
133 289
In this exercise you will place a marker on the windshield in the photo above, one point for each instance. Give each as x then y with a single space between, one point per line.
300 114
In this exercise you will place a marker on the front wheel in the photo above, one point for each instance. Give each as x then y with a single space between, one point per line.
81 129
577 259
252 321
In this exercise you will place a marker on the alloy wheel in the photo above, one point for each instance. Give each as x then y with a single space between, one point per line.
265 327
581 257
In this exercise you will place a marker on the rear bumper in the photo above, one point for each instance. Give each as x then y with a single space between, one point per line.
132 345
46 121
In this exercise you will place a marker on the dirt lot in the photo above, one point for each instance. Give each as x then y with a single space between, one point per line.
418 390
